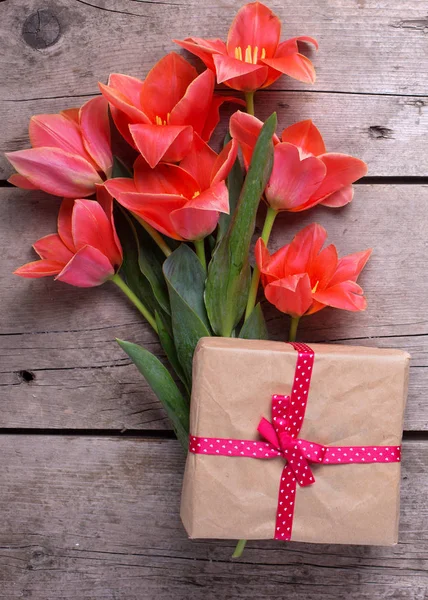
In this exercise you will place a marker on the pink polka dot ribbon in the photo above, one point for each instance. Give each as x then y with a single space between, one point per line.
288 413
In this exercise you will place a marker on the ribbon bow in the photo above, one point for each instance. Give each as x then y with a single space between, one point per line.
297 452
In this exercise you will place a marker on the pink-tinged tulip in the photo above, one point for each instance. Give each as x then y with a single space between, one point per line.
159 115
182 202
301 279
86 250
253 56
303 173
71 152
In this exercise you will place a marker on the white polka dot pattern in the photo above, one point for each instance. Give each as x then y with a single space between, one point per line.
287 417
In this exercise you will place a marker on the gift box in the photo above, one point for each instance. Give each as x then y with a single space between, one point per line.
295 442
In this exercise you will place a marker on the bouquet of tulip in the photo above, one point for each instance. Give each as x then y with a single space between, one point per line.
150 206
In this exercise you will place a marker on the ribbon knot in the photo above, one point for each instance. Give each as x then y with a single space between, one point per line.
297 452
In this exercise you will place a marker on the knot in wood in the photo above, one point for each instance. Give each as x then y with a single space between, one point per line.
41 29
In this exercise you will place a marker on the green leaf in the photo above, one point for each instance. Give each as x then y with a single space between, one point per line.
185 278
254 327
150 261
163 385
235 180
120 169
168 345
130 270
229 270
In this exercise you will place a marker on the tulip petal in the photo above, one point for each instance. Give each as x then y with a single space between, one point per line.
157 142
88 268
57 131
164 179
155 209
340 198
55 171
122 122
203 49
213 116
105 200
39 268
342 170
199 217
92 227
224 162
119 99
293 181
64 223
165 85
294 65
291 295
304 247
273 266
349 267
245 129
255 25
119 185
239 75
95 128
306 137
192 109
21 182
323 268
52 248
347 295
72 114
130 87
199 162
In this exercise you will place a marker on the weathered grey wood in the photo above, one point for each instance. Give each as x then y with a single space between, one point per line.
388 132
65 337
365 46
97 519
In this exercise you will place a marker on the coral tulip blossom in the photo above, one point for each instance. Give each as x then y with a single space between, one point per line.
86 250
71 152
301 279
183 202
303 173
159 115
253 56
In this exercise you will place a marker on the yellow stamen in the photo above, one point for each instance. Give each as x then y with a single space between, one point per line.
263 53
196 194
160 121
255 53
314 289
238 53
248 58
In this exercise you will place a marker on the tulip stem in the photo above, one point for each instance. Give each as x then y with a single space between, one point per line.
249 99
135 300
267 228
200 251
293 329
155 235
239 549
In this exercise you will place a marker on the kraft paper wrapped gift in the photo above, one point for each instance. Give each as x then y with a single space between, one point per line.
356 398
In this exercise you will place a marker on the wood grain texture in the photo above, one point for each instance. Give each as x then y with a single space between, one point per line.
369 46
388 132
65 337
98 519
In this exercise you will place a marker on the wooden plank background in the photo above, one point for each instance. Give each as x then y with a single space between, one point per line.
90 477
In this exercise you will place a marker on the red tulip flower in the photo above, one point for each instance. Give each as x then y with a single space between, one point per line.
301 279
303 173
253 56
159 115
86 250
182 202
71 152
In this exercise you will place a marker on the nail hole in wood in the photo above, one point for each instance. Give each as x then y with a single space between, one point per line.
26 376
41 29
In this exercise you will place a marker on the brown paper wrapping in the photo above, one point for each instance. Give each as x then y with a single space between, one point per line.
357 397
